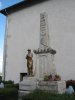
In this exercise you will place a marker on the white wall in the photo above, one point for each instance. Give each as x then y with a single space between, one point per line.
24 32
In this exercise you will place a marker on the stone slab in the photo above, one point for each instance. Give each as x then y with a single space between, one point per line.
23 93
52 86
28 84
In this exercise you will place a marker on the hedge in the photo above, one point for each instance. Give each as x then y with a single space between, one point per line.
8 94
7 82
70 82
11 86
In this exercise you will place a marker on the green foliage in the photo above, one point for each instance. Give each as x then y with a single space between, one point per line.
16 86
10 91
70 83
8 82
41 95
52 78
12 86
8 94
0 78
46 78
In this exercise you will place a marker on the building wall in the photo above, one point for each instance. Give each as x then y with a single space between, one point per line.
23 32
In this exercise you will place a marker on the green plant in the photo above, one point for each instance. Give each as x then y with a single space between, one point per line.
46 78
52 78
8 94
0 78
8 82
57 78
44 95
70 82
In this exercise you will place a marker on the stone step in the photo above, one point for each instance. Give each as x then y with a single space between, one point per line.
23 93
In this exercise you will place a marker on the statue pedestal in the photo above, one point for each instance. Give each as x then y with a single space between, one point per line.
29 84
52 86
45 62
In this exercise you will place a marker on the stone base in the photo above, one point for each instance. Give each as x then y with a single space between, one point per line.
22 93
27 86
52 86
30 83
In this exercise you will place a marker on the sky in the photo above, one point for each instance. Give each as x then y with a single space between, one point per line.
4 4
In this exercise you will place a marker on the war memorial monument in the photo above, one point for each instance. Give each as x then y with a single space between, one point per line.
44 65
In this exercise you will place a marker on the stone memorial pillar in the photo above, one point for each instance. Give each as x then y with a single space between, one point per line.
44 53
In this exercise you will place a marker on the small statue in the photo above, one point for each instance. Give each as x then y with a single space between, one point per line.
29 62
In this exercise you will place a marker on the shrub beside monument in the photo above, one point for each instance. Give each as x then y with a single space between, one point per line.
10 91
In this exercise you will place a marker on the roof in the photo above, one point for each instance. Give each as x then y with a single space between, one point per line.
20 5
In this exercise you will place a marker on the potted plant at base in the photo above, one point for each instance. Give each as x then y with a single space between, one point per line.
57 78
51 78
46 78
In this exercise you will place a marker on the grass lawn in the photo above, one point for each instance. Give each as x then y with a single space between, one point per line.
41 95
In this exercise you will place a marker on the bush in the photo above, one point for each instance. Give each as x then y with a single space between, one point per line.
70 82
41 95
52 77
8 94
0 78
8 82
12 86
10 91
16 86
